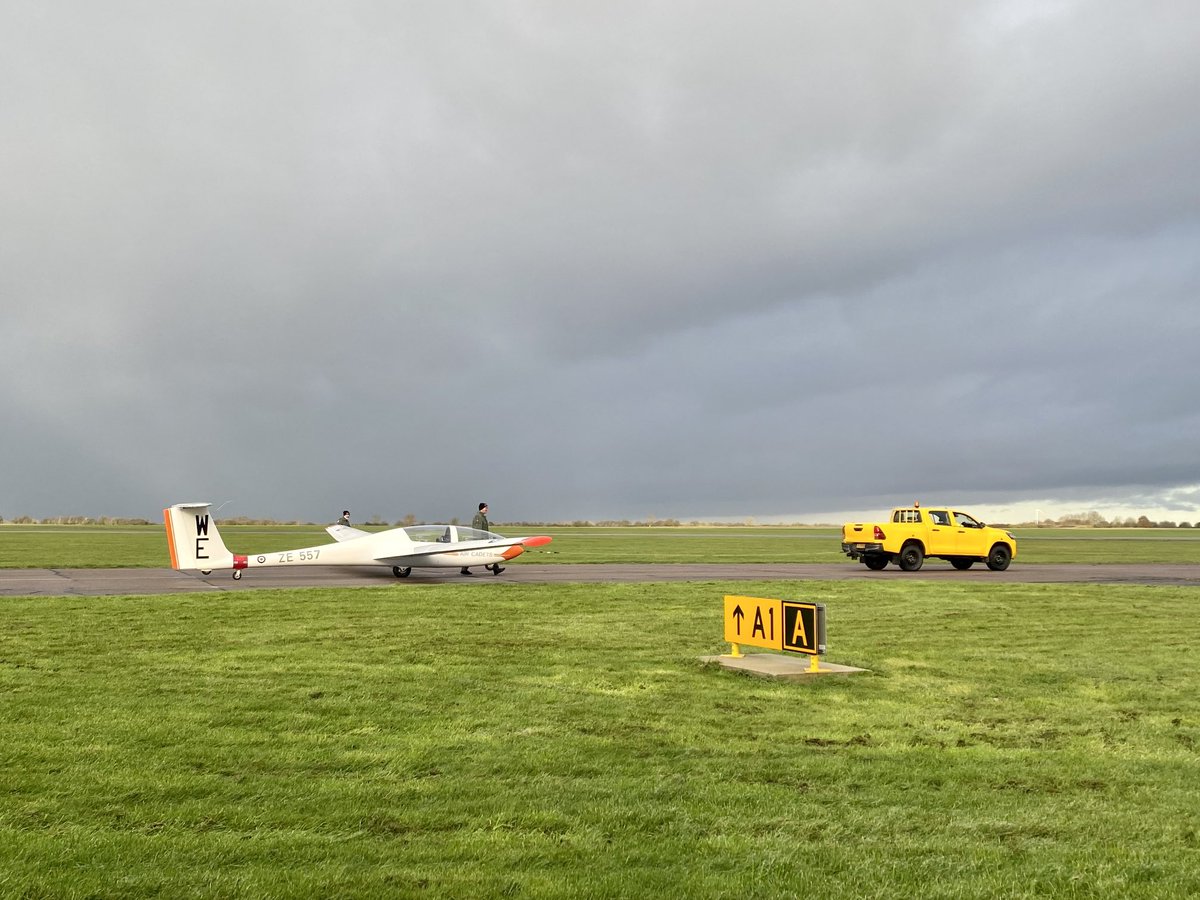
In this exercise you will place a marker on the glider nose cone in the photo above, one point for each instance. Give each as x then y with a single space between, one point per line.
517 549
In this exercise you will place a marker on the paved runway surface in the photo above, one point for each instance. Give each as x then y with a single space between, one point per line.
114 582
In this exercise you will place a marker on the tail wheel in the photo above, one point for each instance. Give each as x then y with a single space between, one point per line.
401 573
237 574
911 558
999 557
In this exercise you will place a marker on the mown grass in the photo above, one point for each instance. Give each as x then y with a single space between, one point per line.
545 741
79 546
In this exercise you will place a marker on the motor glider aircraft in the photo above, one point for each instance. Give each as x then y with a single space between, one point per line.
195 544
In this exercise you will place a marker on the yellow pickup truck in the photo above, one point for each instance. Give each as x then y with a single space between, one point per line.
915 534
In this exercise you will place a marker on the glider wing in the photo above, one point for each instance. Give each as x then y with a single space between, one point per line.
345 532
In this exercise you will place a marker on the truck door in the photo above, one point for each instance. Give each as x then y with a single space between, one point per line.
941 533
969 537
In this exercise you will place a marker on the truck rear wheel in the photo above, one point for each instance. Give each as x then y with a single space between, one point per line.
911 557
999 557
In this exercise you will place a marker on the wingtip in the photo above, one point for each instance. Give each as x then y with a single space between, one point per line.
536 541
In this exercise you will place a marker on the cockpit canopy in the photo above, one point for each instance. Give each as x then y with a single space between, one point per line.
448 534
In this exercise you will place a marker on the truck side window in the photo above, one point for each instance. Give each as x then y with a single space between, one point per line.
939 517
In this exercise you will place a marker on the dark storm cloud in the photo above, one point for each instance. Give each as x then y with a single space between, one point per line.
649 259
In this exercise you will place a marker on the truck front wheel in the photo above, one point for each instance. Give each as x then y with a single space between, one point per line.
911 557
999 557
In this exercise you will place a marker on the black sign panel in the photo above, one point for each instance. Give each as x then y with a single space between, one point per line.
804 627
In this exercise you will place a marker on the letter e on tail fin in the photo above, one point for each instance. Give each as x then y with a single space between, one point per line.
193 539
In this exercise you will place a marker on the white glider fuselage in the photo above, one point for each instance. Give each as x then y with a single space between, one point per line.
195 543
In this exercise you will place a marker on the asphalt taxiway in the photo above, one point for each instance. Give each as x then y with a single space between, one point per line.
120 582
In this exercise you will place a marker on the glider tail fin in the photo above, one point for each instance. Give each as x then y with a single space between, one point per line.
193 539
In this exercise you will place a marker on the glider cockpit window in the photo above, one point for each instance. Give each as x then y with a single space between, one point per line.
427 534
475 534
447 534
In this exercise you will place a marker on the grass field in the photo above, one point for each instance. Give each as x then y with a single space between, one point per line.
548 741
79 546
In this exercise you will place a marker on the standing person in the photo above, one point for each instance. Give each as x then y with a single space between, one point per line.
480 523
345 519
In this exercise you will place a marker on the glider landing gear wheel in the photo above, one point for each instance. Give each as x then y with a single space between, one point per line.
206 571
875 563
237 574
495 568
401 573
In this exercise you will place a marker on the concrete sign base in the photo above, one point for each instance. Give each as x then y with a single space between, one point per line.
774 665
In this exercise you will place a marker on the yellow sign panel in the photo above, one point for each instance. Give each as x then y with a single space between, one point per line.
754 621
775 624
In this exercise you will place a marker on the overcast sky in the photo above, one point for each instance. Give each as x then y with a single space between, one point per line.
620 260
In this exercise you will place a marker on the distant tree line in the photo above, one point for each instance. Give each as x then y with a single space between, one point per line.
1079 520
1095 520
76 520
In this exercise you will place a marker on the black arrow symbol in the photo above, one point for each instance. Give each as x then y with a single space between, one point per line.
739 615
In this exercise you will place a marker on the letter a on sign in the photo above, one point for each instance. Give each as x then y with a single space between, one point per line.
758 630
799 636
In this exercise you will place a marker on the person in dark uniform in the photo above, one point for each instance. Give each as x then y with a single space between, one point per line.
479 523
345 519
